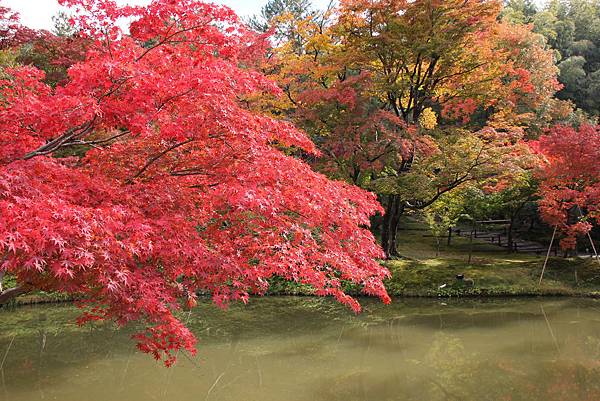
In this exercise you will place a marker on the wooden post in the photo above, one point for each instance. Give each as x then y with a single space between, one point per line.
593 247
473 228
590 238
547 256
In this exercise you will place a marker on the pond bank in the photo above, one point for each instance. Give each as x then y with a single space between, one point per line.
436 277
425 271
433 278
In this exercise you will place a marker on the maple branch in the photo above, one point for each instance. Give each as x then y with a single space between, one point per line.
189 171
204 186
199 170
325 14
293 211
336 159
457 182
2 272
7 295
153 159
459 73
166 39
439 193
12 293
205 169
59 142
386 150
416 67
163 103
108 43
97 142
397 110
288 93
118 84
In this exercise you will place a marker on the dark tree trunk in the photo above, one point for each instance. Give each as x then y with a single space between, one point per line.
394 208
473 231
385 224
511 247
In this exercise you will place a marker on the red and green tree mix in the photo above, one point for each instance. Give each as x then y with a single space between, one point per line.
180 189
139 168
415 99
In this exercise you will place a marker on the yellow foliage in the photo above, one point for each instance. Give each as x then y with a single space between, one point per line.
8 58
428 119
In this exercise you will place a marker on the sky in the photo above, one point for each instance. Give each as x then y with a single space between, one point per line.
38 13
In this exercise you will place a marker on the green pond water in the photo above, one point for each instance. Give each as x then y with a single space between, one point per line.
313 349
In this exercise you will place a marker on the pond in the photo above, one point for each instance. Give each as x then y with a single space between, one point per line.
313 349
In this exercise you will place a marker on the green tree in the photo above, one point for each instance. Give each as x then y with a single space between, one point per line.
519 11
572 28
444 214
283 17
62 25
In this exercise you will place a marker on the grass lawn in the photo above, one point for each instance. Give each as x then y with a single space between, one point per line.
493 270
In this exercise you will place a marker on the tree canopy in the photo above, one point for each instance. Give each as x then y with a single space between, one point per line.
415 99
143 179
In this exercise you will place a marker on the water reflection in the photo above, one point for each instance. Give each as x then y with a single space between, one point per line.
313 349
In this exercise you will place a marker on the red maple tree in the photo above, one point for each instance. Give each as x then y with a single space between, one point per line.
570 180
143 179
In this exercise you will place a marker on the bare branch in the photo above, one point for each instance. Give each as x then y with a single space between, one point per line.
97 142
2 272
189 171
167 39
59 142
171 98
153 159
